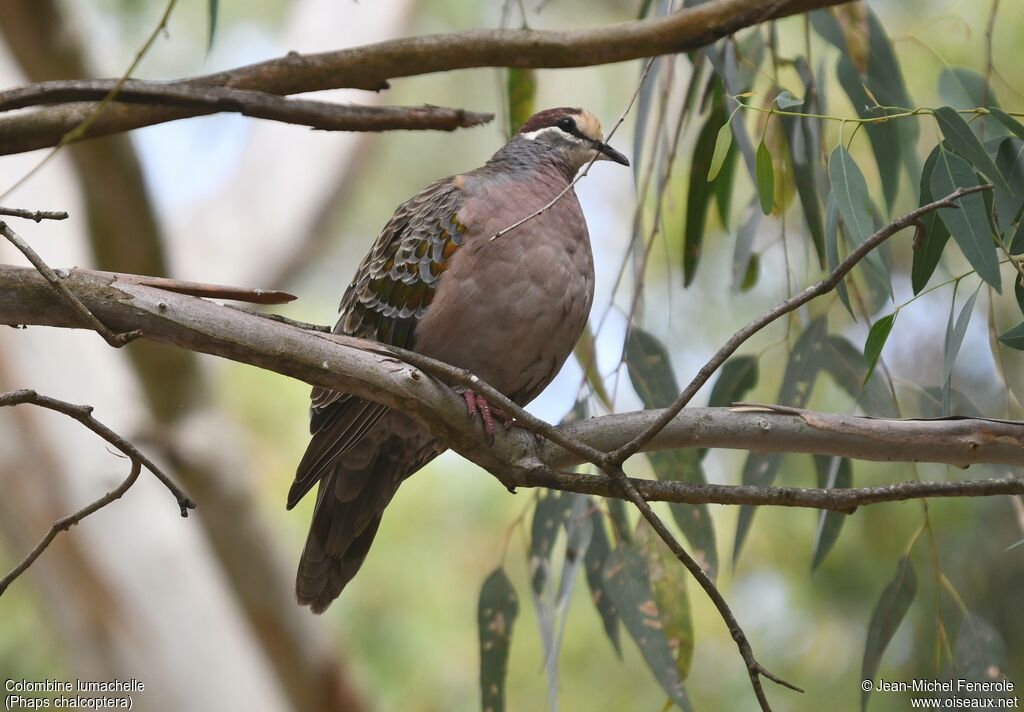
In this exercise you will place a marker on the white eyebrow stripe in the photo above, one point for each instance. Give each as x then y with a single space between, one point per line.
532 135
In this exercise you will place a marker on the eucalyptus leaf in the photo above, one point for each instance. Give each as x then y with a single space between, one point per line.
889 612
1014 338
965 143
877 336
803 136
832 249
593 564
497 610
521 89
832 472
929 251
955 336
786 100
765 178
846 364
736 377
699 192
1008 121
969 223
668 584
212 10
627 581
743 251
851 194
979 650
723 142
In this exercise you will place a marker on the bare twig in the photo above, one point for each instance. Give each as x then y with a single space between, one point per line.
370 66
37 215
586 169
117 340
83 414
209 291
256 104
816 290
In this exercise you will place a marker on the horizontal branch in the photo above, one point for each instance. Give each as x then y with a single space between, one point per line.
371 66
256 104
374 371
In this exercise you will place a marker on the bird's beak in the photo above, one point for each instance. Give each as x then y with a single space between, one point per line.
607 153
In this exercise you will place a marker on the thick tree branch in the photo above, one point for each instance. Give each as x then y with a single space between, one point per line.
256 104
374 371
371 66
83 414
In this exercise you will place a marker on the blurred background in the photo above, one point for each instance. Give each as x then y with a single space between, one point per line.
201 609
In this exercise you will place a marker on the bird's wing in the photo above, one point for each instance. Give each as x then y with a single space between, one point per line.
392 289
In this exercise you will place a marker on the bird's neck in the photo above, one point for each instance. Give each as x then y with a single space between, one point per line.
522 156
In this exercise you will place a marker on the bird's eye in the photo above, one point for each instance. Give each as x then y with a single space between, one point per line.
566 125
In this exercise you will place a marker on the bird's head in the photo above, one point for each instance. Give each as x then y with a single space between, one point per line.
575 134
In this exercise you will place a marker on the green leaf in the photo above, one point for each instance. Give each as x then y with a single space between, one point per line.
743 251
737 376
593 564
1017 243
929 251
522 93
722 145
627 581
549 516
805 363
832 472
802 138
586 356
765 178
890 610
1014 338
877 336
851 194
699 192
832 249
668 584
1008 121
964 142
845 363
753 272
723 188
785 100
212 8
693 520
1018 292
1009 158
965 88
650 369
969 223
955 336
979 649
497 610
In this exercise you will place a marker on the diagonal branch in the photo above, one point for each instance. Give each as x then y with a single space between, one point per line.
371 66
83 414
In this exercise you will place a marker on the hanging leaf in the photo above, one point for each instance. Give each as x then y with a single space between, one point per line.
1018 291
753 271
549 516
579 530
890 610
765 179
980 653
846 364
1014 338
722 186
522 93
212 10
965 88
699 192
955 337
668 584
742 253
644 101
877 336
723 142
586 356
650 372
805 363
1017 243
969 223
737 376
627 581
496 613
802 136
1008 154
832 472
832 249
650 369
593 564
936 235
851 194
1008 121
965 143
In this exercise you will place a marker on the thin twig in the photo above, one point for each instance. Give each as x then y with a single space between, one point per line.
586 168
37 215
816 290
114 339
83 414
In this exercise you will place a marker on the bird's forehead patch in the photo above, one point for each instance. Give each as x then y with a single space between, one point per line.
589 126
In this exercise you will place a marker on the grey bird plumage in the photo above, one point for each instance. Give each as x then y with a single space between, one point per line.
508 310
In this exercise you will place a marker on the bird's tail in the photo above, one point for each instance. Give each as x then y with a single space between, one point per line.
349 506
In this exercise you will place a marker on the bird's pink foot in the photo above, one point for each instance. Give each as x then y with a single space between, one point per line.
478 404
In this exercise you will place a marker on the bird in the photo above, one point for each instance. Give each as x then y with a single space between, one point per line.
437 282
